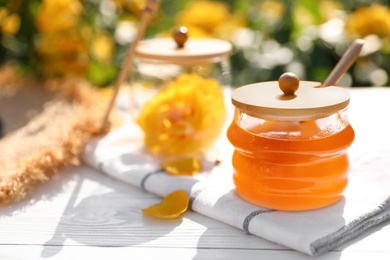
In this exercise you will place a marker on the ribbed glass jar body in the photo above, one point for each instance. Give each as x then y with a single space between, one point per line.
291 165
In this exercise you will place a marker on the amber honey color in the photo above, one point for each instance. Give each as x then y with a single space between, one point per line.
290 166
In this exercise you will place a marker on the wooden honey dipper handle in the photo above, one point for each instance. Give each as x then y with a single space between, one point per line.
344 63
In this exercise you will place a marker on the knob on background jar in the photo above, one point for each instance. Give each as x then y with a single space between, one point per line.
291 139
177 92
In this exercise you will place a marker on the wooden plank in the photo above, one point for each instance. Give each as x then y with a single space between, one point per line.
90 252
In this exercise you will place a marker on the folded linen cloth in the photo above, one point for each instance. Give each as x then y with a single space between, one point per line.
121 155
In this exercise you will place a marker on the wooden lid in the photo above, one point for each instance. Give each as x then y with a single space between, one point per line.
181 50
298 101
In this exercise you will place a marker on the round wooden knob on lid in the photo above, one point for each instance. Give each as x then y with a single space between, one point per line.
183 50
288 83
289 99
180 35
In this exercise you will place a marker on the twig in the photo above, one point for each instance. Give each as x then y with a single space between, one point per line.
149 10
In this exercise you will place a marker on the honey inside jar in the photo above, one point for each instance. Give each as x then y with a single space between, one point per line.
290 165
291 140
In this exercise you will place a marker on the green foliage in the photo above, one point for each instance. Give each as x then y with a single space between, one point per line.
278 36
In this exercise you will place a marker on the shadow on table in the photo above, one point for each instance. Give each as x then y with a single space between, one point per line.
42 191
112 219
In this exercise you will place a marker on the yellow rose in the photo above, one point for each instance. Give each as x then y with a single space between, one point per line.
135 6
185 117
62 54
374 19
61 44
9 23
58 15
209 19
273 10
207 15
102 47
51 66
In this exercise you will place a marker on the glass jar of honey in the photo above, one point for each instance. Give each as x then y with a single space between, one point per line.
291 139
178 92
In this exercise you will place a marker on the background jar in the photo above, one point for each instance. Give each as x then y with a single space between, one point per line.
290 149
177 93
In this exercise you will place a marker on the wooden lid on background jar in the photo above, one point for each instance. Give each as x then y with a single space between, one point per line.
182 50
290 99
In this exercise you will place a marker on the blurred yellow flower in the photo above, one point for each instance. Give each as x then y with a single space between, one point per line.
272 9
374 19
9 23
225 31
185 117
102 47
58 15
62 54
61 44
302 17
197 32
317 13
52 66
207 15
135 6
330 8
118 2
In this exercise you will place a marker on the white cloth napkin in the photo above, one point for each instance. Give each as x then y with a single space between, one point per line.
120 154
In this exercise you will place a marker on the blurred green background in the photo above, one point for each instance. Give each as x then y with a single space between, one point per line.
89 38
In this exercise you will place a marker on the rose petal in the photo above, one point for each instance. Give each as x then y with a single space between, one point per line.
172 206
182 166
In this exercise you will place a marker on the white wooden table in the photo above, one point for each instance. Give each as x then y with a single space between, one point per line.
83 214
